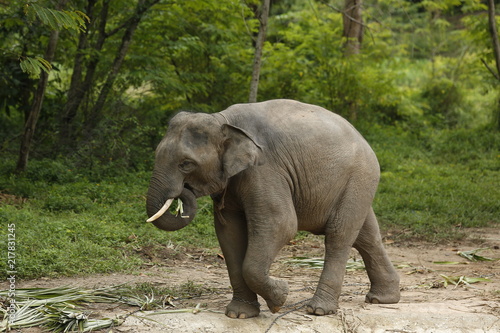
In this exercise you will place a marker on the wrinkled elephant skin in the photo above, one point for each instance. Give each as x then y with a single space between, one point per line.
274 168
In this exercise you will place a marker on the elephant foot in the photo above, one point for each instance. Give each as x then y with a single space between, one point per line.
390 297
278 296
320 307
386 292
242 309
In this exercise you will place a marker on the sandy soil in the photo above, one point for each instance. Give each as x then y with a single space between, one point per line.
426 304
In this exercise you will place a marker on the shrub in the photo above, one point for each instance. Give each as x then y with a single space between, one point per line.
51 171
59 203
444 97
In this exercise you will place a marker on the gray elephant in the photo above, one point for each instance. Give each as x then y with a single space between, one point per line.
273 168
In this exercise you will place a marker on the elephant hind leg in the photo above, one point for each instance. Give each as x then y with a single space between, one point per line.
383 277
325 299
339 238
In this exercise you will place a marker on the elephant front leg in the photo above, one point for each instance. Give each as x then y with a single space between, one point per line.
268 233
232 236
268 223
256 274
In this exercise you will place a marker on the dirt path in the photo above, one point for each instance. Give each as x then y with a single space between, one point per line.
426 304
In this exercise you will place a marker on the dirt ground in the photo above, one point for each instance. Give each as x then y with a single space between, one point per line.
426 304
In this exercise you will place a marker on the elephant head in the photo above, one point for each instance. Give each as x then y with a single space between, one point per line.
196 158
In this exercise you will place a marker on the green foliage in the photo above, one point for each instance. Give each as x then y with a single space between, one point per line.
56 19
119 144
71 225
198 55
444 97
437 184
34 66
420 67
51 171
62 202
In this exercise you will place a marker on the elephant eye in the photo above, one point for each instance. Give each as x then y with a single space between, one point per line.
187 166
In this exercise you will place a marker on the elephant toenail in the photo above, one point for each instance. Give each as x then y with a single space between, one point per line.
242 316
231 314
320 312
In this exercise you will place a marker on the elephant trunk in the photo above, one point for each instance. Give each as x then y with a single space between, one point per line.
160 216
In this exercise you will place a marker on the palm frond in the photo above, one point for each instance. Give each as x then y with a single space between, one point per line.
60 309
318 263
473 255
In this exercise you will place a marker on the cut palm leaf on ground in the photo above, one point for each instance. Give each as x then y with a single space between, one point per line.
461 280
62 309
473 255
352 264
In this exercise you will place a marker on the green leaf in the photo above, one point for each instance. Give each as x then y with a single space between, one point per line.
46 66
62 20
447 262
57 19
461 280
473 256
34 66
40 12
29 66
24 66
351 265
307 262
79 17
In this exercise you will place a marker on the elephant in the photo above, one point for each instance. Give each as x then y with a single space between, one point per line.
273 168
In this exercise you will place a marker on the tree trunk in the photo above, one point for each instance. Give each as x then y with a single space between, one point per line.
496 51
259 45
353 26
353 32
80 86
94 116
36 107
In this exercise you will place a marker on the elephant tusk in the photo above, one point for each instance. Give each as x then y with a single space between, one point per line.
161 211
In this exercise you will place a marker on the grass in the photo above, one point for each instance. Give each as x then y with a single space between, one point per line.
87 227
434 185
437 201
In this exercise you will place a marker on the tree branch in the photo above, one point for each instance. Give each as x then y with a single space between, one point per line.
343 12
490 69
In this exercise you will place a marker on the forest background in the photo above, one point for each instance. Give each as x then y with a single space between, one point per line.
87 88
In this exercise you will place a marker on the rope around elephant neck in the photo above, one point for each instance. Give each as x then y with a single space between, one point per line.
219 205
223 116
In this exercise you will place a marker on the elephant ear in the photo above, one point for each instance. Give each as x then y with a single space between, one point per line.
241 150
